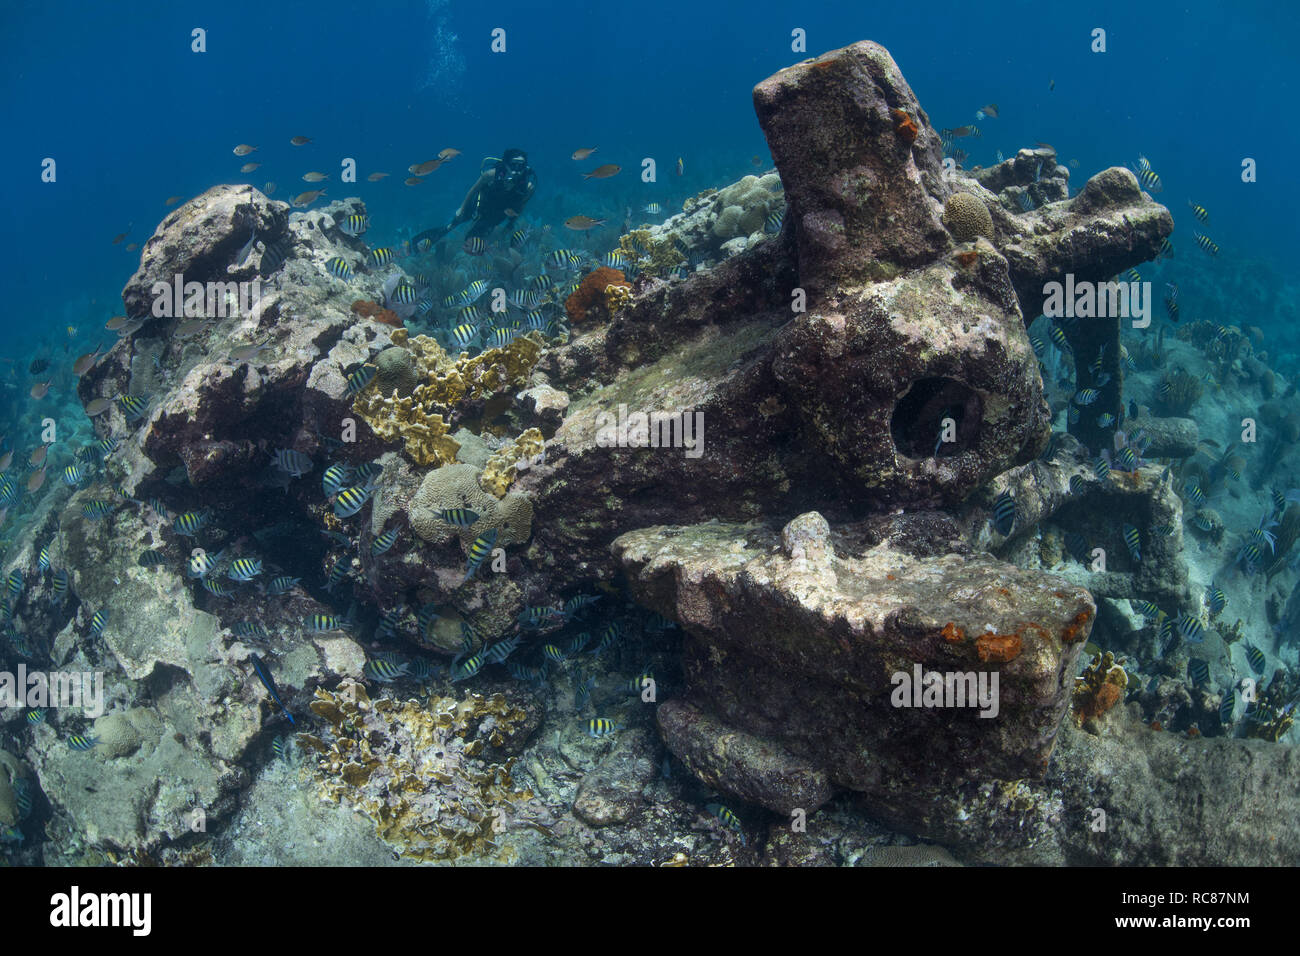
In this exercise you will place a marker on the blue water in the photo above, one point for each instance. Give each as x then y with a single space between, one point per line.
114 94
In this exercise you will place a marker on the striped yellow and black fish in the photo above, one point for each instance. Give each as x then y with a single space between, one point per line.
1215 599
467 667
602 727
728 817
1198 670
1200 212
1057 335
350 501
359 379
81 742
191 522
132 407
324 622
463 335
384 541
13 586
338 267
479 552
1149 180
460 517
97 623
384 671
380 256
1255 658
250 629
405 292
1146 608
475 245
282 585
202 563
1133 542
1190 628
1206 243
59 584
334 479
43 559
244 569
1004 513
215 587
94 510
354 225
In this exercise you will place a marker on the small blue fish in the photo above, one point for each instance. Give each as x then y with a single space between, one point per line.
269 683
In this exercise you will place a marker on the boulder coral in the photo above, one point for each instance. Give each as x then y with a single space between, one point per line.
457 486
966 217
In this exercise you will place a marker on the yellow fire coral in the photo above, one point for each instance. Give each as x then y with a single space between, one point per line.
500 469
652 256
421 420
617 297
424 434
411 768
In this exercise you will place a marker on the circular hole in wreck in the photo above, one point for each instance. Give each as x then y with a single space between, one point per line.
917 424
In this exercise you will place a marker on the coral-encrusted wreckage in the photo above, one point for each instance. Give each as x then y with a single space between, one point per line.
823 543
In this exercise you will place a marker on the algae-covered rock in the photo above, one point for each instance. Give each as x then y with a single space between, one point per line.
611 792
11 770
801 664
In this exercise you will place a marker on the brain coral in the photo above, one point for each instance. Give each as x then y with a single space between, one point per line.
457 486
966 217
121 734
396 372
744 205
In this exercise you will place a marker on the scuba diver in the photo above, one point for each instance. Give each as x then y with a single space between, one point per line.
502 190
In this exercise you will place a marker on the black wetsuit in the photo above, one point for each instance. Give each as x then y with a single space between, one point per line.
489 203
